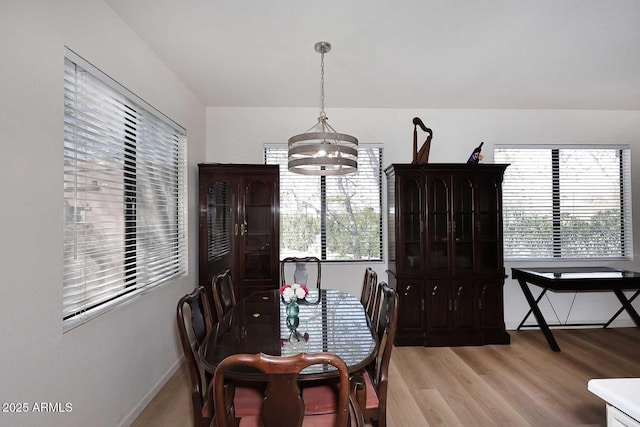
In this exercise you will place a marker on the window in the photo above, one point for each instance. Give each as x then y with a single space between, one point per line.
124 194
566 202
335 218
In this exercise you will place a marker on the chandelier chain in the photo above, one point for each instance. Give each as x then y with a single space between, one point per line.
322 113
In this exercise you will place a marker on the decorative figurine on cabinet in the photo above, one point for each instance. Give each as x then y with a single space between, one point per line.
476 156
422 156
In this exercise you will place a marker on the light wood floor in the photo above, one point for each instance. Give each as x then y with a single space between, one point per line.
522 384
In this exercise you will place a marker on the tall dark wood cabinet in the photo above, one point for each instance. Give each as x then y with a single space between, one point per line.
445 253
240 225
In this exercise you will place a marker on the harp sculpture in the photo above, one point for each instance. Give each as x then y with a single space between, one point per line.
422 156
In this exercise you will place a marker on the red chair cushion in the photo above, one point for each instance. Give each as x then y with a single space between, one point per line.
322 399
205 410
328 420
247 401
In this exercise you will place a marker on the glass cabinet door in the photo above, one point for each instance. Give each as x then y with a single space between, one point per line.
411 224
438 218
489 223
220 229
463 227
256 230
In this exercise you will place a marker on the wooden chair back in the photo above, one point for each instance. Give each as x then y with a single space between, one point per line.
193 324
291 262
386 324
224 295
282 405
369 291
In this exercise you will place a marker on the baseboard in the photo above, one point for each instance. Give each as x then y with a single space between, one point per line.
624 323
137 410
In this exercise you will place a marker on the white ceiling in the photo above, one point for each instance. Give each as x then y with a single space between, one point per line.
555 54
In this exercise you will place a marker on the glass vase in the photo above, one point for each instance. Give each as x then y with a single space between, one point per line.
293 309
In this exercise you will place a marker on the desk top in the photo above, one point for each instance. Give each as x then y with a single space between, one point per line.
579 278
330 321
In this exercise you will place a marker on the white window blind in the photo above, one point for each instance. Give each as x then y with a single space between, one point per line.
125 225
335 218
566 202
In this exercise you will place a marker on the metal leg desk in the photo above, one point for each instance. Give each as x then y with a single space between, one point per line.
578 279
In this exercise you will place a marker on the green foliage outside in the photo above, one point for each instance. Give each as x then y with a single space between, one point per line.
352 236
299 231
527 235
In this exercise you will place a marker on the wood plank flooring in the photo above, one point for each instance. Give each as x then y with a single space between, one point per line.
522 384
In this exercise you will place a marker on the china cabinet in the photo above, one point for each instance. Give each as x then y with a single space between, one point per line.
239 225
445 253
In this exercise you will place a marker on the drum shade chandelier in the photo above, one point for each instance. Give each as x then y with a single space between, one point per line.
321 150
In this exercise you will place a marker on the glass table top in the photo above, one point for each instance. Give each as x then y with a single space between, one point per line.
329 321
580 273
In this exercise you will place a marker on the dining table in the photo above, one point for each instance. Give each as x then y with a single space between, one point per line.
329 320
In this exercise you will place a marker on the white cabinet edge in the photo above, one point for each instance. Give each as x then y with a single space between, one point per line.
623 393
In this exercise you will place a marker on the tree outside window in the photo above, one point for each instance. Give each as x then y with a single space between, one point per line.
336 218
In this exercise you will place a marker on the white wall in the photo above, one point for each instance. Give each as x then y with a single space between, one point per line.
236 135
108 368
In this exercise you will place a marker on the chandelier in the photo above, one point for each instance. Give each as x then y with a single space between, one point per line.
321 150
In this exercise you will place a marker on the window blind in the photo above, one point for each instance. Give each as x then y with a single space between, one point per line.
566 202
335 218
124 194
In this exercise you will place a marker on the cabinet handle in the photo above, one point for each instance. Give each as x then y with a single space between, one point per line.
435 288
236 229
422 304
406 291
450 305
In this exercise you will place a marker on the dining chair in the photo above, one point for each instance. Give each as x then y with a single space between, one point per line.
247 397
321 399
301 273
194 323
369 291
375 306
283 405
224 296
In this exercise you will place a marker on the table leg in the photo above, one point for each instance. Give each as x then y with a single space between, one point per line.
627 306
544 327
529 312
621 309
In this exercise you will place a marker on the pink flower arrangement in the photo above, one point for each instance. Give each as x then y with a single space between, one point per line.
293 292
